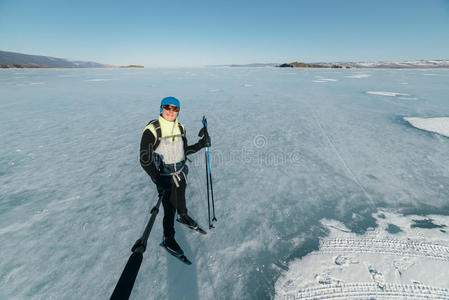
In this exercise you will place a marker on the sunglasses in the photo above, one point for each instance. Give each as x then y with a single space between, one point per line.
170 107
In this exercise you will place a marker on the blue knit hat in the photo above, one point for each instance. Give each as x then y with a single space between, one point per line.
170 101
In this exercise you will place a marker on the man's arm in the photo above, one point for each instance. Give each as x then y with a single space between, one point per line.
146 153
203 142
193 148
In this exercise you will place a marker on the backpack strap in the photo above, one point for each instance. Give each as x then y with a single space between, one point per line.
181 129
183 136
157 127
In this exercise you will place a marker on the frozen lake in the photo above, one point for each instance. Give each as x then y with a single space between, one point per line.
291 148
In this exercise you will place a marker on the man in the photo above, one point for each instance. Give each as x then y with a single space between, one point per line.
163 151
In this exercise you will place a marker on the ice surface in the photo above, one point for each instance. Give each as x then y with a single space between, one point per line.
286 153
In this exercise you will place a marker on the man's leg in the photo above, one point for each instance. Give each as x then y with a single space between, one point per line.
181 207
180 200
169 216
169 224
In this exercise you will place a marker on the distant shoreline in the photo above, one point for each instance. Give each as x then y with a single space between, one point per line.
417 64
46 67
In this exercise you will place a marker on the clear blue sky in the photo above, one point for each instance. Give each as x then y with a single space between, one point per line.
196 33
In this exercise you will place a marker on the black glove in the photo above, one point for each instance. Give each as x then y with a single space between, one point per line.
205 141
163 182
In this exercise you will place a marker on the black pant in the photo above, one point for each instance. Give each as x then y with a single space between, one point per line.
174 199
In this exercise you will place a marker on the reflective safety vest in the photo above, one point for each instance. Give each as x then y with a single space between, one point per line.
168 148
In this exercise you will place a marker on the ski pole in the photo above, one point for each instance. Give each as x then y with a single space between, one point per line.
214 219
207 182
126 282
203 133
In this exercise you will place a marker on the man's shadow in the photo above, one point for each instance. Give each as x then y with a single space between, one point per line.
182 281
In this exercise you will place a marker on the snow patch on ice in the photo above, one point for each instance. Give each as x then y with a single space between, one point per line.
321 79
437 125
408 98
99 79
373 264
383 93
358 76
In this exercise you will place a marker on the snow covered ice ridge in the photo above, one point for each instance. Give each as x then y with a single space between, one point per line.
371 291
437 125
398 260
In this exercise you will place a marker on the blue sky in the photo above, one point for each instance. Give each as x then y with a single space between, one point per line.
196 33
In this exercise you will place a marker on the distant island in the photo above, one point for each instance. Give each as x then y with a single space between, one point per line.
20 60
305 65
131 66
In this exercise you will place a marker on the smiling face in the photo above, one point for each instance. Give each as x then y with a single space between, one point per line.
169 114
